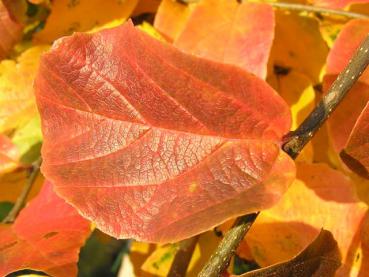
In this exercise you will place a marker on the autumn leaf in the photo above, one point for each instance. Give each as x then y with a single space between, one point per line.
320 197
70 16
46 236
10 32
17 101
356 152
298 92
9 155
344 117
11 185
230 32
152 159
320 258
171 18
306 53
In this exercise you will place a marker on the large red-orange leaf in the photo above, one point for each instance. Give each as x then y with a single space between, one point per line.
344 117
230 32
356 152
46 236
10 32
9 155
155 144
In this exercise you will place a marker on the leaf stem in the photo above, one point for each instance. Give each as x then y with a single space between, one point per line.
19 203
295 142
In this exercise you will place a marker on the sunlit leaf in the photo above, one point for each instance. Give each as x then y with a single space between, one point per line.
70 16
10 32
319 198
46 236
149 158
356 152
230 32
320 258
9 155
305 54
17 102
171 18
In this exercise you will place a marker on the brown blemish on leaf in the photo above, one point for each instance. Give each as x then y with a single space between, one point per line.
50 235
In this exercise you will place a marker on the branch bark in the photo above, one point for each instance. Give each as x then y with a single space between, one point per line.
295 142
24 194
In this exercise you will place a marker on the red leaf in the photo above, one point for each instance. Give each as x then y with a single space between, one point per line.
356 152
344 117
10 32
46 236
151 143
229 32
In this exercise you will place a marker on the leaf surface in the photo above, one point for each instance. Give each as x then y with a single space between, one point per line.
71 16
10 32
46 236
171 18
149 157
9 155
356 152
17 101
320 258
230 32
307 54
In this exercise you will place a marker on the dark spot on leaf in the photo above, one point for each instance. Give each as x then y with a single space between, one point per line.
280 70
357 257
49 235
9 245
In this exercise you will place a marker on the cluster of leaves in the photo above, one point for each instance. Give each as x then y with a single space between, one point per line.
166 125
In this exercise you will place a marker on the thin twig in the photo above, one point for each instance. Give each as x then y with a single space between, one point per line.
344 82
295 142
219 261
302 8
183 257
314 9
24 194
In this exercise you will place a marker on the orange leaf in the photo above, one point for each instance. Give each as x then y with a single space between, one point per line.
229 32
46 236
147 157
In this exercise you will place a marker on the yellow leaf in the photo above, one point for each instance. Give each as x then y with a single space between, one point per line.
297 90
17 102
150 30
319 198
298 45
11 185
68 16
